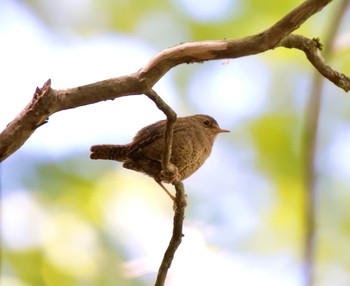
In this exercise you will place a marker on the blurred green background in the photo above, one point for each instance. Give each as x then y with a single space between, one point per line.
67 220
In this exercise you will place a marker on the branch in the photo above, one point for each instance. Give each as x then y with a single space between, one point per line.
168 169
312 49
176 238
50 100
169 172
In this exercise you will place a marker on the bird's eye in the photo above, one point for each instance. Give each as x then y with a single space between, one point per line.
206 122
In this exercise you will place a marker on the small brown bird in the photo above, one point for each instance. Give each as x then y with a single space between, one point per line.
193 139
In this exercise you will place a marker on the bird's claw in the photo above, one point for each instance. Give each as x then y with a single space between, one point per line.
170 174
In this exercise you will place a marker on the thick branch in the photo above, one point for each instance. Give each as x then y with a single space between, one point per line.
214 50
140 82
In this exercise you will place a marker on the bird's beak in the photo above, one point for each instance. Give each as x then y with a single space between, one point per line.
219 130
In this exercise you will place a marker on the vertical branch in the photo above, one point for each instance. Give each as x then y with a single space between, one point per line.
310 146
176 238
310 134
180 199
171 119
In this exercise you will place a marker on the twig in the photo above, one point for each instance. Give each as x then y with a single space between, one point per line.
312 48
175 241
140 82
168 168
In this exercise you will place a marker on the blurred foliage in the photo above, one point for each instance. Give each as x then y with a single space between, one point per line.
91 212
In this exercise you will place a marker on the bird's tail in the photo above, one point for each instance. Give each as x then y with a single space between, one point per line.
109 152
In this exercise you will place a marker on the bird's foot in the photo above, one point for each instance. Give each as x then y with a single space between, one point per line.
170 175
183 202
166 190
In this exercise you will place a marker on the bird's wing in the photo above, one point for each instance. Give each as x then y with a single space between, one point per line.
149 134
152 133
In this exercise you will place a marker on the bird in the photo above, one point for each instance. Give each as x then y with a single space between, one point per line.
193 139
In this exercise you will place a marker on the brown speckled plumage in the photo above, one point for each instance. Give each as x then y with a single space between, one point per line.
193 140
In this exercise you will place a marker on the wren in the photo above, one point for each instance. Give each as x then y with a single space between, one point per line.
193 139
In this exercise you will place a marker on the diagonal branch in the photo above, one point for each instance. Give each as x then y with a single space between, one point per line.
140 82
312 48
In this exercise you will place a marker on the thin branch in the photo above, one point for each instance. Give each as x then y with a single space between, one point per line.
312 49
140 82
168 169
175 241
169 172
